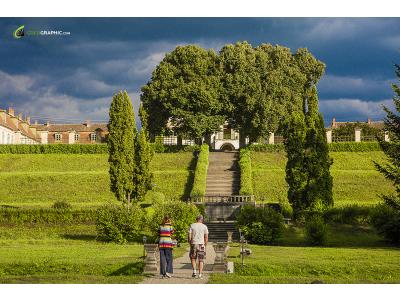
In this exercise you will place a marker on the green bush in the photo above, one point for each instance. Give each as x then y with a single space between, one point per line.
46 216
260 225
316 231
246 179
62 205
120 223
182 215
386 221
354 147
200 173
333 147
350 214
55 148
266 147
84 148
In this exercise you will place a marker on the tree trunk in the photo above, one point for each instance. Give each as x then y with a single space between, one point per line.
198 141
128 198
179 140
242 139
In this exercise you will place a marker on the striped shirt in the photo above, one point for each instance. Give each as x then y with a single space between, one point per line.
165 231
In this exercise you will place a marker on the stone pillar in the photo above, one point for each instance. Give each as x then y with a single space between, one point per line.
71 137
357 135
230 234
150 262
271 138
220 257
329 136
386 137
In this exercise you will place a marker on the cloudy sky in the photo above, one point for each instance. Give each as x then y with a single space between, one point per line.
72 78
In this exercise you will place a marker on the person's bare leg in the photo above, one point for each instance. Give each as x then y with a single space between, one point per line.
200 267
193 264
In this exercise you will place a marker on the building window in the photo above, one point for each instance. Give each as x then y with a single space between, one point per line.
58 137
93 137
76 137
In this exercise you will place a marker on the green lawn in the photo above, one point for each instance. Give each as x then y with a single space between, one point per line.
81 179
353 255
355 179
65 254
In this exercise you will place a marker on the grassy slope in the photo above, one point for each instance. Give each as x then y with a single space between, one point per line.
41 179
355 179
354 255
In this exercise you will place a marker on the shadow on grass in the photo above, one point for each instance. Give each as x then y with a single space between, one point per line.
190 180
135 268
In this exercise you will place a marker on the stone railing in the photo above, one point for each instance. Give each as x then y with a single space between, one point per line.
223 198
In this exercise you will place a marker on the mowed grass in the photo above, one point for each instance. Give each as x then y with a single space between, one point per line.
353 255
355 179
82 180
65 254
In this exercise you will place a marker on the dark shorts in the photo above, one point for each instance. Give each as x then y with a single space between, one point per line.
197 251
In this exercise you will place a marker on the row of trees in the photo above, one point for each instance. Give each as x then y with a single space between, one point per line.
130 153
253 88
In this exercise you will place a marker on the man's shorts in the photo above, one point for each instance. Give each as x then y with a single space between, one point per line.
197 251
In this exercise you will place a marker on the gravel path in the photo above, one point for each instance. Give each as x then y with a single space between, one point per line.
183 270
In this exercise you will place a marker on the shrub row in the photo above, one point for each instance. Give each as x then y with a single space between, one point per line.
333 147
354 147
246 180
46 215
83 149
350 214
117 223
200 173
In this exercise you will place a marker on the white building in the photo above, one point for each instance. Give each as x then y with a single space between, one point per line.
15 130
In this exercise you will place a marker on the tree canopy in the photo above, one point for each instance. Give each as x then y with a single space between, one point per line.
254 89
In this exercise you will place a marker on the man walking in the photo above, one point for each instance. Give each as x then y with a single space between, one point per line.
198 239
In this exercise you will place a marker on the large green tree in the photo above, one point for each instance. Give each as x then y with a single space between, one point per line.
391 170
263 84
122 132
184 91
142 179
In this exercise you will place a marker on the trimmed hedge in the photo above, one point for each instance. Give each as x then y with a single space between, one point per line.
354 147
83 149
333 147
47 215
200 173
246 179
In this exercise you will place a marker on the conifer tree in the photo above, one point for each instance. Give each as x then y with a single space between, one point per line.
122 132
307 168
317 161
391 170
143 155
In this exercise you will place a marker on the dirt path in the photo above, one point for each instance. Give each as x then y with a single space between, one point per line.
183 270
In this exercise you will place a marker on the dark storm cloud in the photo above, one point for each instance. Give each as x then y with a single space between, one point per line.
75 76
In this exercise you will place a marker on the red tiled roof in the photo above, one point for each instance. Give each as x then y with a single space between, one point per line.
71 127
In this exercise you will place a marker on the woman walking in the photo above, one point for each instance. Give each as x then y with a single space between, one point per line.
165 245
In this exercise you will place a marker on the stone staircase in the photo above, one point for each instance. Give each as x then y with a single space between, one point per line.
223 176
217 231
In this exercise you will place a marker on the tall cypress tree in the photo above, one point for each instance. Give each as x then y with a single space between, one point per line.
122 132
317 161
307 168
296 179
143 155
391 170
